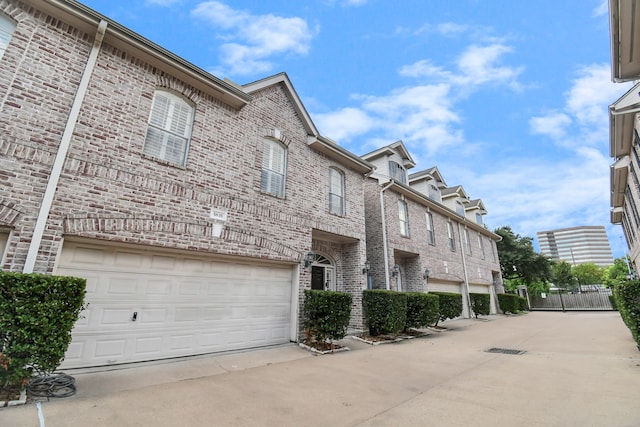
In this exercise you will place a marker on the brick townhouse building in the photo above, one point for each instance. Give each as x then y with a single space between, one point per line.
432 237
199 210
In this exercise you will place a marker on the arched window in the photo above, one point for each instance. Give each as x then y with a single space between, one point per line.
274 167
169 128
7 27
336 191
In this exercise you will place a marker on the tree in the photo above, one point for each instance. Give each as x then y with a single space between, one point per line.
587 274
519 262
616 273
563 276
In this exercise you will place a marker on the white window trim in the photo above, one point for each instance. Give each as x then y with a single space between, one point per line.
171 128
467 241
452 241
7 28
269 171
403 216
340 209
431 233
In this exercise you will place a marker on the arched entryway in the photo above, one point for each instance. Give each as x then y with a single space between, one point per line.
323 274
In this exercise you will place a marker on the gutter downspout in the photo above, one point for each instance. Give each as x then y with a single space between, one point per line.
384 235
464 269
61 155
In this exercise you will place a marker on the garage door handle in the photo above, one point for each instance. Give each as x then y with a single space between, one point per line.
135 316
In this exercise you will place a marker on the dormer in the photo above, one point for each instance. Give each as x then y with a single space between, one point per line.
428 182
455 198
391 162
475 211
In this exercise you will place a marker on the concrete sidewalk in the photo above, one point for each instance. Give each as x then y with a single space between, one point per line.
579 369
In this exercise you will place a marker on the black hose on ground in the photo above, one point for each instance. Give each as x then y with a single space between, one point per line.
52 385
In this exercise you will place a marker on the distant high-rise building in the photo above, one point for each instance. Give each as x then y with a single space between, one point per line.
577 245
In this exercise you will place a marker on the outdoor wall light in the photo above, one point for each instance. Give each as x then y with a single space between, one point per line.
309 258
426 274
396 270
367 267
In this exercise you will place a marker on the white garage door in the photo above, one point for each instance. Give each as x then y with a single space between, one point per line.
147 305
443 287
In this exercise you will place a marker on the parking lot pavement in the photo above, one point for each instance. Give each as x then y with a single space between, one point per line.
575 369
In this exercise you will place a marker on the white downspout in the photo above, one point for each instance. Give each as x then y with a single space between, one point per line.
385 246
61 155
464 269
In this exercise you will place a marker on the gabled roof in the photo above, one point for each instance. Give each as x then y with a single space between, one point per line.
431 173
624 16
319 143
397 147
475 204
87 20
454 191
283 79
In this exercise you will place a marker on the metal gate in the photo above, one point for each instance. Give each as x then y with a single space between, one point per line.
591 300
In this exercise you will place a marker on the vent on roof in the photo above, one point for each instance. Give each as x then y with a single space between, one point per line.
505 351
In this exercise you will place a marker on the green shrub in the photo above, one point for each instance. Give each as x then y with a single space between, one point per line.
627 297
450 305
326 314
612 300
509 303
523 304
480 304
385 312
422 309
37 314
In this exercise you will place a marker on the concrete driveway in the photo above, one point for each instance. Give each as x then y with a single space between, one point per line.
579 369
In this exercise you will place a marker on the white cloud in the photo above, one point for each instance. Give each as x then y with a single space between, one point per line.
553 125
251 40
479 65
345 123
163 3
601 9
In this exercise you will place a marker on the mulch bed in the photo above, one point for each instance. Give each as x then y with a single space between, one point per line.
10 393
390 338
323 347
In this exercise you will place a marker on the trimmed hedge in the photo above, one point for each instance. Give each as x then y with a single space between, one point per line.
450 305
523 304
385 312
326 314
480 304
37 314
509 303
422 309
627 297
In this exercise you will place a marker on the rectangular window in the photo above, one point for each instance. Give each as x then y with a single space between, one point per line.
479 220
493 250
336 192
404 218
481 245
434 193
7 27
274 160
452 242
467 241
169 128
431 235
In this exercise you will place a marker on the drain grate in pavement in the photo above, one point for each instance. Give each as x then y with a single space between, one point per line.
505 351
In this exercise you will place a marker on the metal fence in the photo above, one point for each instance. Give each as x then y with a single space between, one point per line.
592 300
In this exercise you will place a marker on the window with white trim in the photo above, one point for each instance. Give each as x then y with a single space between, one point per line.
274 166
452 242
481 245
479 219
403 215
397 172
493 249
459 208
336 191
431 235
169 129
7 27
467 241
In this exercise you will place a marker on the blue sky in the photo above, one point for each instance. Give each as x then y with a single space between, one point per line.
508 99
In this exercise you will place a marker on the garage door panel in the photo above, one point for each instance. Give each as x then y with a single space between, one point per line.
185 305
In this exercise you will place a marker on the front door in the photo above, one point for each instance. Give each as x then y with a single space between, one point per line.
322 278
